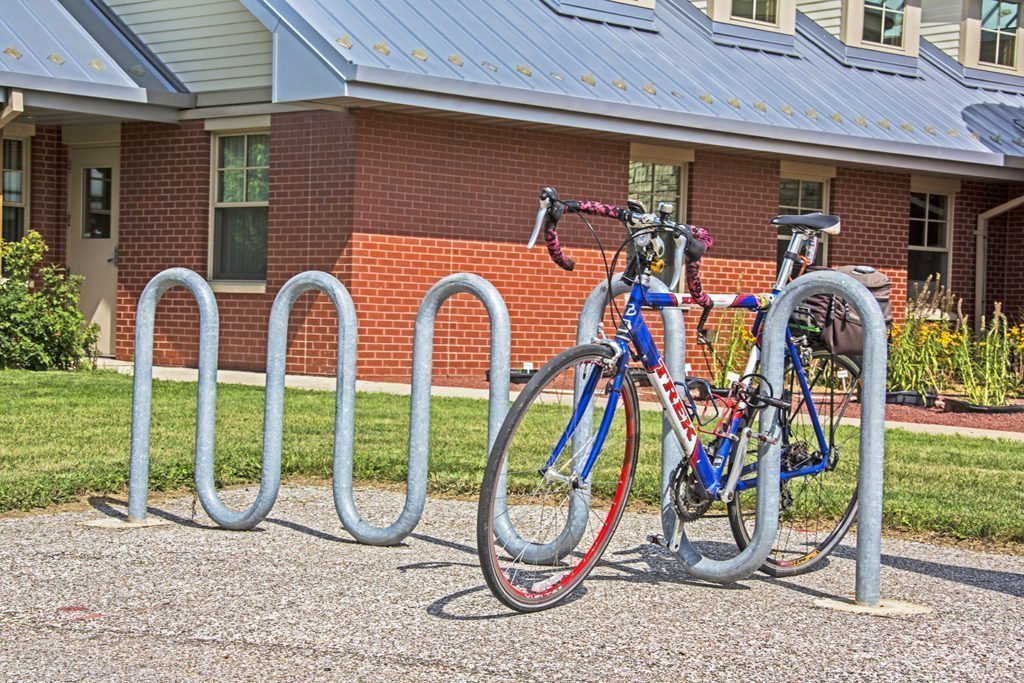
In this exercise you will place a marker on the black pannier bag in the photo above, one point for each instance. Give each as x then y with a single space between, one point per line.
834 321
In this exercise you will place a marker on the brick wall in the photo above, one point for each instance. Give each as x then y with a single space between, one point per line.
48 190
975 198
1005 282
165 188
438 197
875 207
165 220
390 203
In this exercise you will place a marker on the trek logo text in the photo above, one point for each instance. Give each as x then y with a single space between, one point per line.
669 388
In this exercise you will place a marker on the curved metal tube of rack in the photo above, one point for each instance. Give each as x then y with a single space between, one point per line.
674 347
344 418
142 382
872 417
419 412
273 413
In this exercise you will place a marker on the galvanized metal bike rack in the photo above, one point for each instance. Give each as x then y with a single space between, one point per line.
344 418
872 405
774 345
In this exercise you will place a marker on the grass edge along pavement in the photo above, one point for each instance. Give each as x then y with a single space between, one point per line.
65 435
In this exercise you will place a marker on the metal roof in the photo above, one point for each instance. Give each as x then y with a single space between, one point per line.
503 57
43 48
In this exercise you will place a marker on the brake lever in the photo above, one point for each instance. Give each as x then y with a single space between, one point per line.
536 228
547 195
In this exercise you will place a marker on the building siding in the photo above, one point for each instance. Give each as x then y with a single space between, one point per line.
826 13
944 36
214 45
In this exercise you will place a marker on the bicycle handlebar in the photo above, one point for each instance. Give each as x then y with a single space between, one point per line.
697 240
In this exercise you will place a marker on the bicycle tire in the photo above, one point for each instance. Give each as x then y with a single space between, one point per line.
823 508
544 565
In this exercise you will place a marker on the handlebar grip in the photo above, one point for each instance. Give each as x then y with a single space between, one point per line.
551 238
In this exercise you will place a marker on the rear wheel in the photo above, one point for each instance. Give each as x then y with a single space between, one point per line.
816 510
540 533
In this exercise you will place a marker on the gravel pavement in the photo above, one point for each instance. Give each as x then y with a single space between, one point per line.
296 599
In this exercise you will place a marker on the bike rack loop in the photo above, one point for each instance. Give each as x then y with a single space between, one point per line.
419 413
142 381
344 401
747 561
273 414
872 419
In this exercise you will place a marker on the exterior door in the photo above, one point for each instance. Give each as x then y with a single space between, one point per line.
93 195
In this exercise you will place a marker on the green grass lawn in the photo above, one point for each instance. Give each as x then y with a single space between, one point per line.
66 435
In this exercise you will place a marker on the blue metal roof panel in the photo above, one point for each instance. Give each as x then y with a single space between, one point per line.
42 47
532 53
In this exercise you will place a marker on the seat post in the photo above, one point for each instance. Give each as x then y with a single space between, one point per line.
796 245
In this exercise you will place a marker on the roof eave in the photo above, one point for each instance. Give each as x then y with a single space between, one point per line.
370 83
100 106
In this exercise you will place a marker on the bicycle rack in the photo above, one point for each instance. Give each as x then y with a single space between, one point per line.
773 352
872 419
344 418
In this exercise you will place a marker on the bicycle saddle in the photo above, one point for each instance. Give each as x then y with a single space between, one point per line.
811 221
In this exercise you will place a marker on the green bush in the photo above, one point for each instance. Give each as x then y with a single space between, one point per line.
41 327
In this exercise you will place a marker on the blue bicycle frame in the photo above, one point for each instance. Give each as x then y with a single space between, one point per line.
633 340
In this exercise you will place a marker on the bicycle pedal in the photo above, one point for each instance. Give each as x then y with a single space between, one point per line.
765 438
657 539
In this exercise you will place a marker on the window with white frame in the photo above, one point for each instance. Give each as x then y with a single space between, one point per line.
766 11
890 26
884 22
930 233
799 196
241 200
769 15
15 188
1000 20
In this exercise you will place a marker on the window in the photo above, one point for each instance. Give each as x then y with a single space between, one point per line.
775 16
15 188
883 22
928 250
651 183
96 216
756 10
240 207
891 27
998 40
798 196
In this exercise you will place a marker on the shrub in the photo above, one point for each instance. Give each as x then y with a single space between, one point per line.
983 364
41 327
920 350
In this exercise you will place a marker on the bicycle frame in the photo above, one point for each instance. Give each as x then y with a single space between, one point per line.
633 340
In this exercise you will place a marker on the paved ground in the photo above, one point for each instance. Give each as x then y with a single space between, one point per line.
317 383
297 600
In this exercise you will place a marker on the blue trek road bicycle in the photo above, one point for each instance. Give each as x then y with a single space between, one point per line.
559 475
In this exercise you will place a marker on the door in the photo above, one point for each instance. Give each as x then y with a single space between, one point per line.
93 195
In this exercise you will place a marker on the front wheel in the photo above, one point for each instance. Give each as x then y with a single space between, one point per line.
541 530
816 509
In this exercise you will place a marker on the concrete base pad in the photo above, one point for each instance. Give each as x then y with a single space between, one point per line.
885 608
121 523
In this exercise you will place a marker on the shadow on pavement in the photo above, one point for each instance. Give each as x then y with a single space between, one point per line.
1010 583
105 505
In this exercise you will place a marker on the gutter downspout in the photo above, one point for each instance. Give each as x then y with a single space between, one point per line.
981 256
